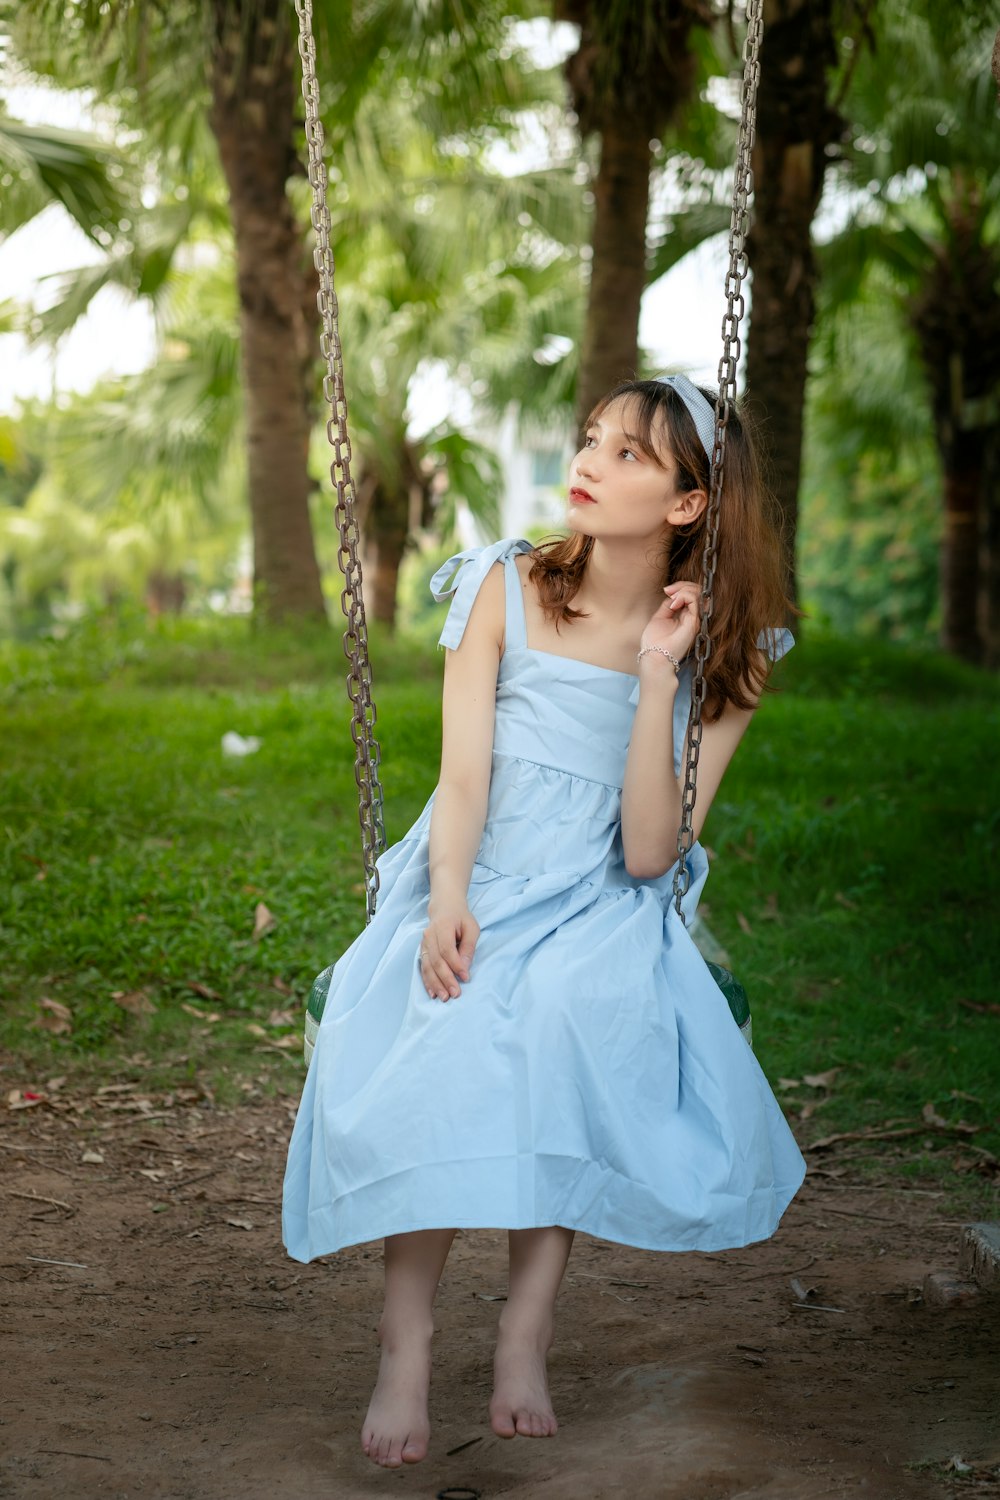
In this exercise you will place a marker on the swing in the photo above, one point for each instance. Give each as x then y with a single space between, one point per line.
359 678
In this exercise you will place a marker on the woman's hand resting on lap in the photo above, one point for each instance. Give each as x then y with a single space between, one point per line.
446 949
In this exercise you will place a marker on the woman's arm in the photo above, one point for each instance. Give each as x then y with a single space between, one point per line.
459 812
651 793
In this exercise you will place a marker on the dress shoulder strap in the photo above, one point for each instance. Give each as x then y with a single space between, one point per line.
517 628
461 578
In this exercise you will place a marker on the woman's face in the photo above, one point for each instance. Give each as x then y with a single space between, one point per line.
619 491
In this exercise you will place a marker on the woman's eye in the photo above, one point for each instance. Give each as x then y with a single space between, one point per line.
627 453
589 440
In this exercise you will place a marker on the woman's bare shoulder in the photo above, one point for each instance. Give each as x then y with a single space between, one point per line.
489 608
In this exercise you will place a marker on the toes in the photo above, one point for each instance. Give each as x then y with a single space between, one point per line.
391 1453
413 1451
535 1424
503 1424
389 1457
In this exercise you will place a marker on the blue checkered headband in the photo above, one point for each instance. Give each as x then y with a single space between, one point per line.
702 411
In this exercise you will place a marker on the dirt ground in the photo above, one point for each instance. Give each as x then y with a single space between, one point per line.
157 1341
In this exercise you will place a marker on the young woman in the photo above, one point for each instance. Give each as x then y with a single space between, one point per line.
525 1037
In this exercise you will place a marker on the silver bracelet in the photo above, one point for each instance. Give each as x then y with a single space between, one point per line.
663 652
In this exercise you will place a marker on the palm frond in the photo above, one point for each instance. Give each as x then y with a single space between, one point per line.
40 165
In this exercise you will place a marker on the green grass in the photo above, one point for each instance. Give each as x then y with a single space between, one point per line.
855 879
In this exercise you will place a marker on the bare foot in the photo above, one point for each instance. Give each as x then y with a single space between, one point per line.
520 1402
396 1429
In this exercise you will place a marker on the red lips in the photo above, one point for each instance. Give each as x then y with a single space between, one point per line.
581 497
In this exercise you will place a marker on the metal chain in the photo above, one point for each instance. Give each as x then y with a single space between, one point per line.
735 308
359 677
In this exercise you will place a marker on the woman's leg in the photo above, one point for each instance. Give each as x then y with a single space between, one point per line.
520 1402
396 1429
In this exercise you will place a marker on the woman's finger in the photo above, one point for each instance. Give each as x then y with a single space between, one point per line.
438 974
466 949
441 983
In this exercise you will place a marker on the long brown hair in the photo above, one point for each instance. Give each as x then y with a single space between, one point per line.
748 591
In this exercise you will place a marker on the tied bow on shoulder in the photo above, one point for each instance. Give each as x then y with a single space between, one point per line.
462 576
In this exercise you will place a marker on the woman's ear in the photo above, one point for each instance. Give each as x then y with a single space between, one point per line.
687 506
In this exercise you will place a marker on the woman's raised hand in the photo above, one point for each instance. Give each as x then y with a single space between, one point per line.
675 624
446 949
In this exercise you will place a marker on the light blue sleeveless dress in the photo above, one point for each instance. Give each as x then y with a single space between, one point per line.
590 1073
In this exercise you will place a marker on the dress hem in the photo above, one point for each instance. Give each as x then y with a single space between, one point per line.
705 1243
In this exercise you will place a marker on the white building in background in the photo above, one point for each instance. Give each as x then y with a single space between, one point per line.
535 463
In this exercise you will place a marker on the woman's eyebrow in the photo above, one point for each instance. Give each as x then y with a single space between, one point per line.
629 437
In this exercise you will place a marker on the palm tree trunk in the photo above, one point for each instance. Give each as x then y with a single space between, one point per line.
794 125
960 577
989 559
165 593
618 269
253 120
386 531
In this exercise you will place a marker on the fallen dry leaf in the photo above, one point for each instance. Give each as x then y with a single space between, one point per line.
930 1114
282 1018
240 1223
202 1015
845 901
263 921
821 1080
56 1018
279 984
93 1158
743 924
204 990
136 1002
981 1008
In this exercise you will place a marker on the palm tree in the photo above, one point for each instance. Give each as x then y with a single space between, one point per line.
233 62
631 74
444 270
931 226
130 480
796 126
870 503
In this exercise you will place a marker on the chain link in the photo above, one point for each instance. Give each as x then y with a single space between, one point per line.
359 676
735 308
